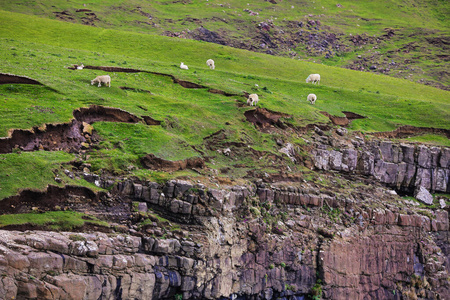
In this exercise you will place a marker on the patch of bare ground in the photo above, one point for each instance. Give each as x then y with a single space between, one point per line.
264 118
150 121
76 198
71 136
64 15
342 121
96 113
150 161
407 131
11 78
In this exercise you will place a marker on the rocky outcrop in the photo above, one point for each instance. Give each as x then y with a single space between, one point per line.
404 167
242 242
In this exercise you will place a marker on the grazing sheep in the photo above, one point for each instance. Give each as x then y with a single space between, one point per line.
210 64
184 67
312 98
102 79
252 99
314 78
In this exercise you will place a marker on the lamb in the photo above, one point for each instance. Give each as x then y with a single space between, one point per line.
314 78
184 67
210 64
312 98
252 99
102 79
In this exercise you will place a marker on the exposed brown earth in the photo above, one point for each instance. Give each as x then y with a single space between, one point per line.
407 131
10 78
342 121
69 136
152 162
150 121
96 113
264 118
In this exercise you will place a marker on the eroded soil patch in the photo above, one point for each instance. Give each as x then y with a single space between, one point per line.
75 198
10 78
407 131
183 83
68 137
96 113
150 121
65 137
264 118
342 121
150 161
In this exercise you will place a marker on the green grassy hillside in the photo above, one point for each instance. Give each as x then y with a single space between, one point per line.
42 49
404 39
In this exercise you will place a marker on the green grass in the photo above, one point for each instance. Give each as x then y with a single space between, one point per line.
431 139
42 49
32 170
55 220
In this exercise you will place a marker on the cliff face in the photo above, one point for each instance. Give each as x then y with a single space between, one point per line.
401 166
286 240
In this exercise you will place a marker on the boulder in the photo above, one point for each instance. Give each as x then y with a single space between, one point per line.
423 195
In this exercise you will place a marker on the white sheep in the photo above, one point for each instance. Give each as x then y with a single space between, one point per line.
210 64
80 67
253 99
312 98
313 78
184 67
102 79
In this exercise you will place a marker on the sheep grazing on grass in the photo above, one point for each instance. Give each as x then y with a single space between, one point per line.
312 98
253 99
102 79
184 67
210 64
313 78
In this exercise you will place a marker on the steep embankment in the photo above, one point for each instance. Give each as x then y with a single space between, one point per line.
334 237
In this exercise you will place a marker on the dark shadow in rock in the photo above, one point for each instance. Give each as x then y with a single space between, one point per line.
150 161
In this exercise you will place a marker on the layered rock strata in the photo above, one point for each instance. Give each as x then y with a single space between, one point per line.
227 247
404 167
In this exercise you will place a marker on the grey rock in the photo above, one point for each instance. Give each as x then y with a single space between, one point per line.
423 195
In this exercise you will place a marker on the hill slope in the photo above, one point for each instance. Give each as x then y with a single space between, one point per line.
169 185
406 40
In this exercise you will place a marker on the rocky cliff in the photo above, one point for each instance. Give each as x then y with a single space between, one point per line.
404 167
265 241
